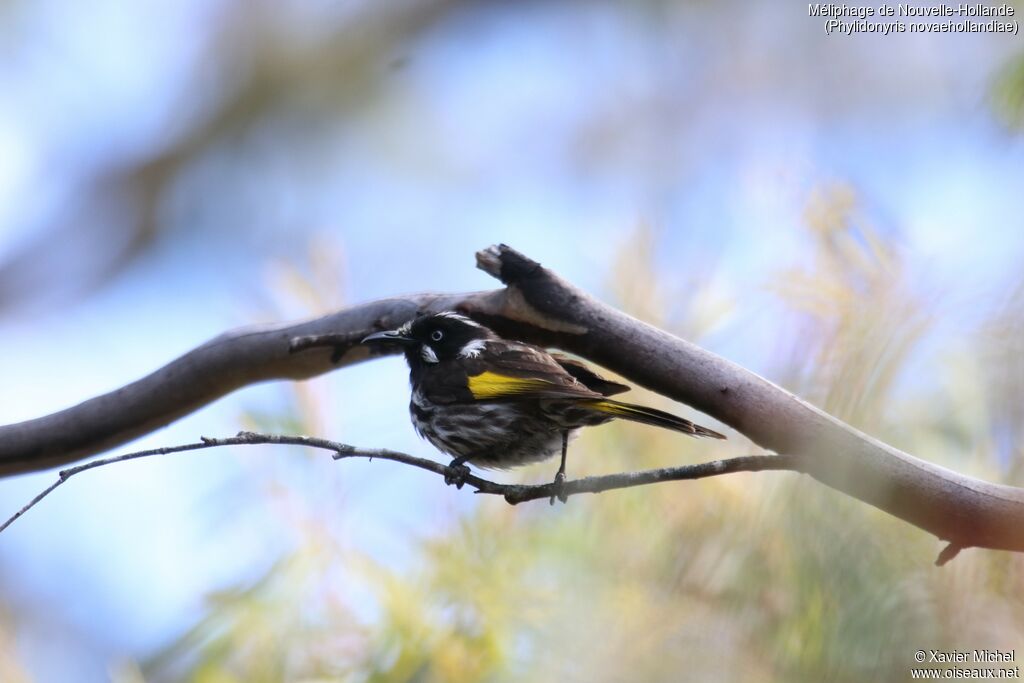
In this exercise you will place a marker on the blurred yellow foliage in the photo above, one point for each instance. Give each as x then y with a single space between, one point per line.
11 669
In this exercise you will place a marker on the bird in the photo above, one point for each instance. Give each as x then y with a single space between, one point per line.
500 403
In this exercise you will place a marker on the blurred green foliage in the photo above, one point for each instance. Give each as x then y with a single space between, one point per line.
753 577
1007 93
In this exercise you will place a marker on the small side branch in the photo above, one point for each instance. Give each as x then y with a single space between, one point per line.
947 554
513 493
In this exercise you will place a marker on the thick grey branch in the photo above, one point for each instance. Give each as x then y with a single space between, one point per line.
536 305
962 510
228 362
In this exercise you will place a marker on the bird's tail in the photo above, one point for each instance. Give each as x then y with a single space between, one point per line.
652 416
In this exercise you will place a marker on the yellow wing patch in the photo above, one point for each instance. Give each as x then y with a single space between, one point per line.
610 407
492 385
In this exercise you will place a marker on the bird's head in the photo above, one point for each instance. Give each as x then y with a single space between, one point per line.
436 337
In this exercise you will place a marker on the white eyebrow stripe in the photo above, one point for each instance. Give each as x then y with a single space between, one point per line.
458 316
428 354
473 348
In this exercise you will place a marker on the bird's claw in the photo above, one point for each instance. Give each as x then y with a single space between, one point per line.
559 485
456 474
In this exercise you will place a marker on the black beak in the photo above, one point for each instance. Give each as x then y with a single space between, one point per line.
392 336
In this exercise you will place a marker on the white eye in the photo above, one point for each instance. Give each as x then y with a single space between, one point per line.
437 335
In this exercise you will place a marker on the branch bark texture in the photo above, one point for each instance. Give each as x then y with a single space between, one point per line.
536 305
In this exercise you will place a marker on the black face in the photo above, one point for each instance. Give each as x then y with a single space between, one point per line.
437 337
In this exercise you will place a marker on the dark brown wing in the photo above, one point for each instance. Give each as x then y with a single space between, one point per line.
588 377
512 370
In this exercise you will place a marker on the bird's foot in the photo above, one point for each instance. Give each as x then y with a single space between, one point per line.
559 485
457 473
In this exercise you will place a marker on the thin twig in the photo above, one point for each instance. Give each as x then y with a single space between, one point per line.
64 475
513 493
312 341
